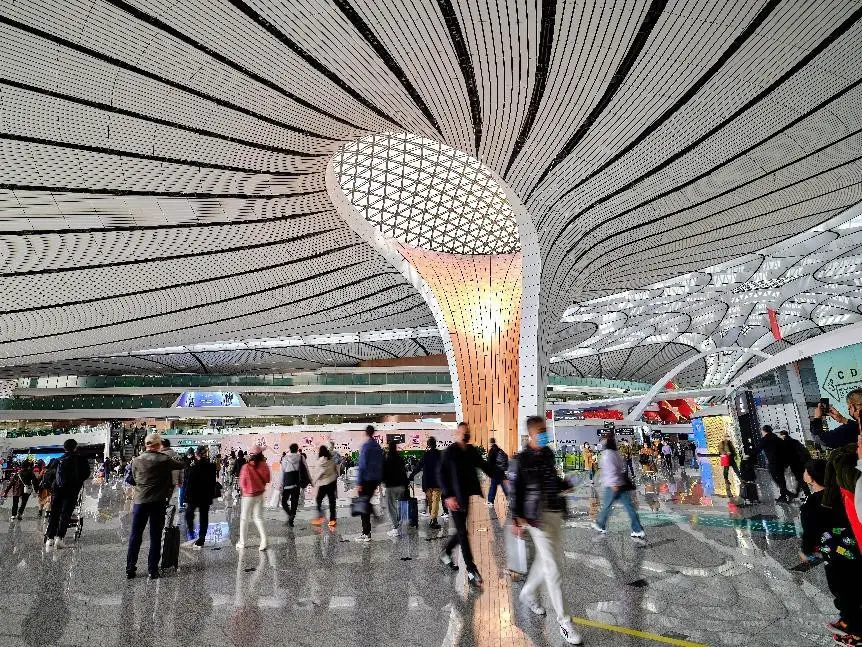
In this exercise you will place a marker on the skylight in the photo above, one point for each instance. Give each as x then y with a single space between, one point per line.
428 195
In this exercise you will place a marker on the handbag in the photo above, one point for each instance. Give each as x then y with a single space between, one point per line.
725 460
360 505
516 553
627 485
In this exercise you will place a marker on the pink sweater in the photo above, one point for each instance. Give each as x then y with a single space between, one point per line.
253 478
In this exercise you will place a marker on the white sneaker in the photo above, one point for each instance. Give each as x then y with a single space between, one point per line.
597 528
240 545
444 516
489 504
424 514
534 606
362 539
189 543
59 544
197 547
395 532
567 631
49 545
640 536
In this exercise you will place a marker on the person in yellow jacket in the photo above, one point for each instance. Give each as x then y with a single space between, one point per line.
589 461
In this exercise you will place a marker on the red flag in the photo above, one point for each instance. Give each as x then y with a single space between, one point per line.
772 315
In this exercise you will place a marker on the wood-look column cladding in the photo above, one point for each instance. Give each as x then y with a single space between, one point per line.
480 297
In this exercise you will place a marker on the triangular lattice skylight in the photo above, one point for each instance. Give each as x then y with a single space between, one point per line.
428 195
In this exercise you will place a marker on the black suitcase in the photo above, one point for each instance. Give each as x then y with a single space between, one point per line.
171 543
409 509
748 491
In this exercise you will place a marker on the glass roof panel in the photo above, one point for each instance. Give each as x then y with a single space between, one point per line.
414 189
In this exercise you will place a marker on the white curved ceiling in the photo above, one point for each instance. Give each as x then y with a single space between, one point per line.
162 161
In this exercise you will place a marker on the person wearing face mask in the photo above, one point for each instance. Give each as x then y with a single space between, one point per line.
848 428
538 509
458 482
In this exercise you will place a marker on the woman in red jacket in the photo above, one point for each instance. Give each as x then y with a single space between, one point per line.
253 478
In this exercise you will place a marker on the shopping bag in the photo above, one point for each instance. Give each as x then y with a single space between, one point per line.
516 553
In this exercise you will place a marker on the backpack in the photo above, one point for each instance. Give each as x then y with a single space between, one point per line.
68 472
304 476
502 460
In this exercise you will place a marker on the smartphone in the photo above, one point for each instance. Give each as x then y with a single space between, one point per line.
824 406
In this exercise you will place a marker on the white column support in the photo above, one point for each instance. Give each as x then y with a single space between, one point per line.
647 398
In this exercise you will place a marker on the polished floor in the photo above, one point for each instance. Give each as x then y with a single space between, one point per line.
710 574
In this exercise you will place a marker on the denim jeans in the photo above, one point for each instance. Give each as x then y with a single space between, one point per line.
492 489
624 497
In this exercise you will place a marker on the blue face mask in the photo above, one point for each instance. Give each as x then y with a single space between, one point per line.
542 439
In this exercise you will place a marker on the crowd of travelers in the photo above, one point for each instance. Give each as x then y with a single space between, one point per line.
830 490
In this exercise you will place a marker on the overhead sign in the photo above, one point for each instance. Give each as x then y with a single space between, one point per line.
194 399
839 372
398 438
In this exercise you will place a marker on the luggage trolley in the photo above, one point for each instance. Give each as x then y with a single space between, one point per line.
76 521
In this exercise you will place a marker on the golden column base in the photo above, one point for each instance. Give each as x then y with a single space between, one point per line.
480 298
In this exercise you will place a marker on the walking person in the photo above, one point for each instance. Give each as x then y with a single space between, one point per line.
429 465
538 509
589 461
395 480
727 458
616 487
775 452
253 479
459 482
796 455
369 473
72 471
21 485
326 482
199 490
44 486
500 459
294 479
153 477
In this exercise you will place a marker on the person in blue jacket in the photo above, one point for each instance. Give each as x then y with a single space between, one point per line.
429 465
368 477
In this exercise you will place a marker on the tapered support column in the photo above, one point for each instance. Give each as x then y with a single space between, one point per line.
480 299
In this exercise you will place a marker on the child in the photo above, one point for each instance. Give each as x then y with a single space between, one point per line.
826 535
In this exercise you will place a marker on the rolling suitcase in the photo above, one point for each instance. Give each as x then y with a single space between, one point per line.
409 509
748 492
171 544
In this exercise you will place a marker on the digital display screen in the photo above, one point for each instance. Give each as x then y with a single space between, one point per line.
192 399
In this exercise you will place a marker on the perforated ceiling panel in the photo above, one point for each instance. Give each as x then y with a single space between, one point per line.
162 161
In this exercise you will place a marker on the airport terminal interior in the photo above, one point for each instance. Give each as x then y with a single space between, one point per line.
430 323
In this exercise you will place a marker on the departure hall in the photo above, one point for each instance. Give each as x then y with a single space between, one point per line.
420 323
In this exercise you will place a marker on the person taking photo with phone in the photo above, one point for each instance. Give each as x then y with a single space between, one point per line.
848 428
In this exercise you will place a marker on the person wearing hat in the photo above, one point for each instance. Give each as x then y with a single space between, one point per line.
152 474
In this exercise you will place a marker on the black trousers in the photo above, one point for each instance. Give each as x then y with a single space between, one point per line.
733 467
461 538
777 474
327 490
18 508
143 514
368 488
204 511
290 501
798 471
63 504
843 577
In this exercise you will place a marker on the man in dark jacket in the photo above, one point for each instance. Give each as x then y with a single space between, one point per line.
538 508
200 490
499 459
848 430
152 473
797 455
429 465
72 471
458 482
775 452
368 476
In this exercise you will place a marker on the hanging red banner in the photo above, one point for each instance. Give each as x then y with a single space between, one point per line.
772 315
